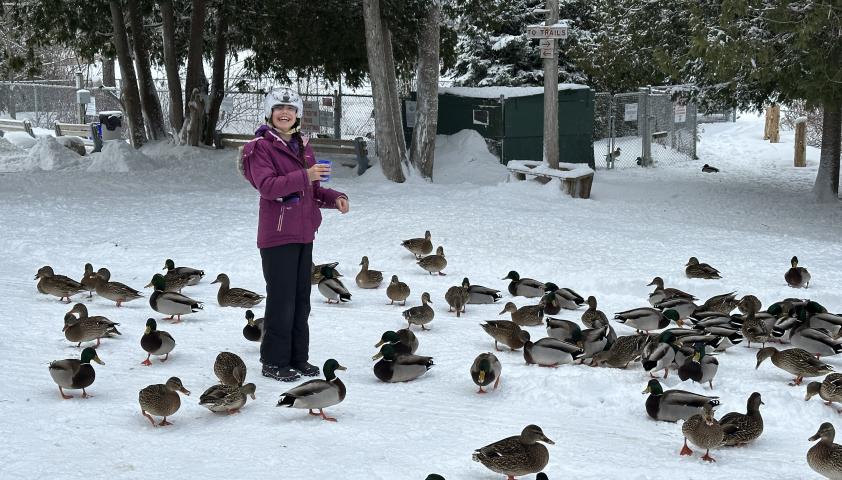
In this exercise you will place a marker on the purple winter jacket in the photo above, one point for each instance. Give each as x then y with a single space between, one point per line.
289 203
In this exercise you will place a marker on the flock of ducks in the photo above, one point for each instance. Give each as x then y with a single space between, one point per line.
657 344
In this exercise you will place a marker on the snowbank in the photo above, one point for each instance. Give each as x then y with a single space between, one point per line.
20 139
48 155
119 156
464 157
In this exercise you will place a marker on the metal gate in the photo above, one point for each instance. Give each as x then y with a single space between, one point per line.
641 129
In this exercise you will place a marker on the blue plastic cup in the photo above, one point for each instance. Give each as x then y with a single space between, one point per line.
325 178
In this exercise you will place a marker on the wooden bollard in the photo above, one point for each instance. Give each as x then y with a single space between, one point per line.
774 123
801 142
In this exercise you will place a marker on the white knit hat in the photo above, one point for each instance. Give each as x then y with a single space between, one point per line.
282 96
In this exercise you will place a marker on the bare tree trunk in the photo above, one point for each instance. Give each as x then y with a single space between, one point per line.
217 91
109 79
427 112
150 104
826 187
194 51
130 96
391 148
171 66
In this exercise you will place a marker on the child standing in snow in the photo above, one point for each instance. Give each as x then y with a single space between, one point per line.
282 167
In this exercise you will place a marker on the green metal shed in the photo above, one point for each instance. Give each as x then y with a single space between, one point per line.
512 118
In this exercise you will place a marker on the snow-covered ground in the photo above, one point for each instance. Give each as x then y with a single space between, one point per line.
190 205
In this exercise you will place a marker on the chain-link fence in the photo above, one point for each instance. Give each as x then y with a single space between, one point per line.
642 129
719 116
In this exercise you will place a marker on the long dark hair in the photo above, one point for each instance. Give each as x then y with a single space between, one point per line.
296 137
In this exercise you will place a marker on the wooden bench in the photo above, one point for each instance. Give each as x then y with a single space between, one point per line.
86 131
322 147
576 179
9 125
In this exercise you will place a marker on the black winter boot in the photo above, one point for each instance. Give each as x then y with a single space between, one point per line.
283 374
306 369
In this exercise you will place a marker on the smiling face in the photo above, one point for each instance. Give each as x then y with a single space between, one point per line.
284 117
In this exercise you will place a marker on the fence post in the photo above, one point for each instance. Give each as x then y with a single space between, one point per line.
772 130
37 106
13 112
643 124
801 142
80 108
337 113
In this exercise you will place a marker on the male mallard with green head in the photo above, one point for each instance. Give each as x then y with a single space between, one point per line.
171 303
397 291
694 269
825 457
524 287
156 342
486 369
674 405
253 331
332 288
796 361
419 246
517 455
479 294
704 431
317 394
395 367
235 297
316 272
57 285
701 367
403 340
161 400
75 374
797 277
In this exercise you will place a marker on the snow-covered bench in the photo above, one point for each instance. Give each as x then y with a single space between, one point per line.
86 131
9 125
322 147
575 178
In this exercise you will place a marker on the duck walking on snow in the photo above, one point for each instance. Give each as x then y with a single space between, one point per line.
171 303
332 288
739 428
704 431
368 278
419 246
75 373
486 369
397 291
57 285
434 263
797 277
161 400
830 390
317 394
825 457
517 455
235 297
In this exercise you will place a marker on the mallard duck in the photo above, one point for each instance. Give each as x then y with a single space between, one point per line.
704 431
724 303
694 269
566 298
479 294
486 369
815 340
797 277
104 273
684 307
171 303
709 169
550 303
434 476
422 314
368 278
828 321
115 291
75 374
227 398
517 455
434 263
316 272
81 311
562 329
622 352
173 282
796 361
754 329
749 303
739 428
660 293
161 400
658 353
193 275
646 318
88 329
593 318
89 280
156 342
526 316
506 332
674 405
825 457
403 340
729 336
229 368
57 285
419 246
396 367
551 352
524 287
253 331
457 297
830 390
235 297
397 291
701 368
317 394
332 288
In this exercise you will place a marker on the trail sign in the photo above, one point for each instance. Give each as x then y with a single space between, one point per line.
546 47
546 31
